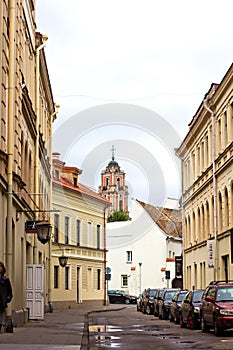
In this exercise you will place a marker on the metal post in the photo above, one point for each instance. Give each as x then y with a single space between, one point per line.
140 278
10 144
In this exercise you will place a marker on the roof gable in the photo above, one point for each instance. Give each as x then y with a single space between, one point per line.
168 220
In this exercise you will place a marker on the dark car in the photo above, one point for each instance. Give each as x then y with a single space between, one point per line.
118 296
148 301
216 307
174 313
139 302
157 297
165 302
190 309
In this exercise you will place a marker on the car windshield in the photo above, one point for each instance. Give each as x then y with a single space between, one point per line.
181 295
225 294
197 295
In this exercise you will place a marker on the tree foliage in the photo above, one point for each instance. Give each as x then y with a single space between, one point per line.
118 216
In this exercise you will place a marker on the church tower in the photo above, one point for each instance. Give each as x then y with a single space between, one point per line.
113 186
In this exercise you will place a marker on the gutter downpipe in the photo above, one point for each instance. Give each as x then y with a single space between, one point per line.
37 143
214 187
105 260
52 118
10 145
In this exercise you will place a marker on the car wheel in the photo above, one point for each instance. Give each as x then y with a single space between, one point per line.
148 310
127 301
217 329
182 323
191 323
204 327
171 318
177 319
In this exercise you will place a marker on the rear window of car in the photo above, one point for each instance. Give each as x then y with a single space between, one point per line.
153 292
170 295
197 295
225 293
181 296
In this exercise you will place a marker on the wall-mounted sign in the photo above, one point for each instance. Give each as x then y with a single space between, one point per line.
211 253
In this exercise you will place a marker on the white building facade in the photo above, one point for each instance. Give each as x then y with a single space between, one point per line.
140 251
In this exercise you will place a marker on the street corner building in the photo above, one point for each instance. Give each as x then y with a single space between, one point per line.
27 114
78 241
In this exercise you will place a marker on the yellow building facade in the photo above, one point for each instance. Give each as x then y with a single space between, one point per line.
27 112
79 235
207 188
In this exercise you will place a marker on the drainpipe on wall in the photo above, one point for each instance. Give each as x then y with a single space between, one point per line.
10 144
37 111
205 104
105 259
52 118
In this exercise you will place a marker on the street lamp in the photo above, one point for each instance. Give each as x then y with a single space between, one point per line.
43 229
63 260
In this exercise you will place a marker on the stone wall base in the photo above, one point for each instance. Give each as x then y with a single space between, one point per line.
19 317
62 305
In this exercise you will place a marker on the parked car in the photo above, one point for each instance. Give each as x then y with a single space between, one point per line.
148 301
139 302
190 309
157 297
216 307
174 313
119 296
165 302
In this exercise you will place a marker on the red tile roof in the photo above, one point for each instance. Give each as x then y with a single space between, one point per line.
81 189
168 220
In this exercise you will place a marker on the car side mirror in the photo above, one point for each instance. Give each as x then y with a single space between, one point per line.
209 299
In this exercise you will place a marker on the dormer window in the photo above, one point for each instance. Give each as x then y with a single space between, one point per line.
75 181
56 174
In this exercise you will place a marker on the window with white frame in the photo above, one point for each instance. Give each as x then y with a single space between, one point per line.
98 233
129 256
124 281
89 234
67 222
78 232
67 277
56 227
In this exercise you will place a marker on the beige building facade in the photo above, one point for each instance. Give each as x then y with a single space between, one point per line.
207 189
27 112
79 235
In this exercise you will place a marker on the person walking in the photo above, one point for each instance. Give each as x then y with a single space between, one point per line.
5 294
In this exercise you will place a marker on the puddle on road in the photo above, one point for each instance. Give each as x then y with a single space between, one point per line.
103 339
104 328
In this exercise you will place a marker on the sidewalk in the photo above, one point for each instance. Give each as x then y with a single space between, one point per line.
61 329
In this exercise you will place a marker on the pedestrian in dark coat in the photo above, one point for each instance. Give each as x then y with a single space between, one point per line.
5 294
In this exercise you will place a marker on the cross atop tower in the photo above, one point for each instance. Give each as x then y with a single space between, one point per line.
113 149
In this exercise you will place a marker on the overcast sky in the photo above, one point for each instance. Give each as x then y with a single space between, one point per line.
139 58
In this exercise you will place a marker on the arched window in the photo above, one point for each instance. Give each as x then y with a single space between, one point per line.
198 226
203 228
193 228
220 211
189 230
207 218
226 216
